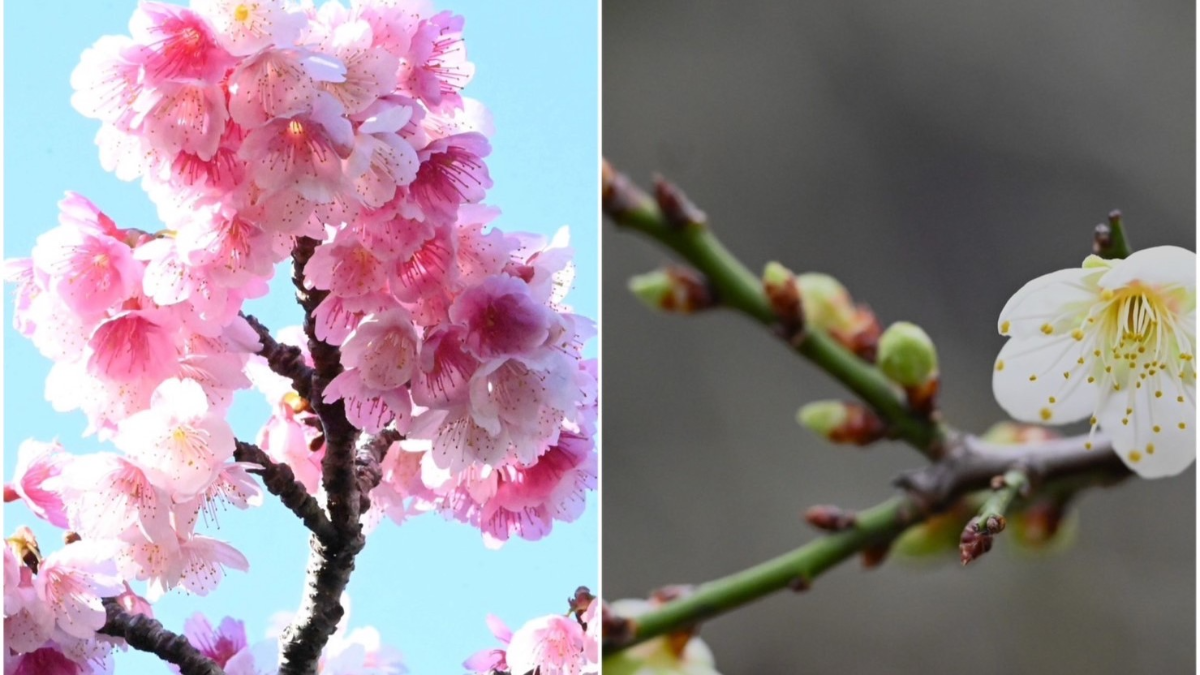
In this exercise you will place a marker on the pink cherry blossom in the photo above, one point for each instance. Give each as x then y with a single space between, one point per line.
132 345
445 369
107 494
85 266
182 117
278 83
244 28
382 160
345 267
178 442
302 153
487 661
452 173
501 318
35 480
383 349
549 644
220 644
370 73
436 68
71 582
48 660
108 79
177 45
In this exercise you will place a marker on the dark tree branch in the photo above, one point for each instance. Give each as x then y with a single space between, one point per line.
368 454
148 635
330 562
285 360
281 482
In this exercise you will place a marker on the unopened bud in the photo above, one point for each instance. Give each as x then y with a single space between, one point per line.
842 422
827 303
677 290
829 307
784 295
976 540
906 355
830 518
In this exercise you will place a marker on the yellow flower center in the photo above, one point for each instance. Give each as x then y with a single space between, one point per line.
241 13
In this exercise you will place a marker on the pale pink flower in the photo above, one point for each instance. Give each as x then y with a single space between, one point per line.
72 580
383 349
230 248
370 72
302 153
446 369
107 494
436 69
220 644
370 409
458 441
48 660
108 79
84 264
182 117
35 480
481 255
133 603
337 315
487 661
177 440
278 83
427 272
501 318
382 159
345 267
473 116
549 644
592 634
132 345
523 405
361 652
243 28
177 45
393 22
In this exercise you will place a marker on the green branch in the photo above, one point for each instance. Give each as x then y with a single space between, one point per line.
674 222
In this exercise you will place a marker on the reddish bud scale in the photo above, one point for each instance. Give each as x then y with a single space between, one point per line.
785 302
923 399
975 541
862 427
830 518
689 292
678 210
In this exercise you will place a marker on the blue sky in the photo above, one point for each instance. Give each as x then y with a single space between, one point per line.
428 584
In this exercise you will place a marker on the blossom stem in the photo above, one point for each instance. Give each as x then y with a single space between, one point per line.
739 289
148 635
969 467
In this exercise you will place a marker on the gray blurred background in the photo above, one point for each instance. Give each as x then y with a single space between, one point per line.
933 156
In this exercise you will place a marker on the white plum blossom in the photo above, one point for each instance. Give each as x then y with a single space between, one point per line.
1112 341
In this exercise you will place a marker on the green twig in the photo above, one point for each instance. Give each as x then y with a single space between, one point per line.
737 288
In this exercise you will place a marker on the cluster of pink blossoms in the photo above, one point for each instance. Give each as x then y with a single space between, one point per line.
555 644
254 126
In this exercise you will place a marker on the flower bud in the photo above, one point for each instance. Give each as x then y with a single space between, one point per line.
829 307
783 293
841 422
827 303
674 654
906 355
674 289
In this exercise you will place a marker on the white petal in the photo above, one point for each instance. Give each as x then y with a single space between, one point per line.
1032 370
1158 265
1146 428
1056 299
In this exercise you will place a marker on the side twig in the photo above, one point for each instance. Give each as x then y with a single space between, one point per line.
1066 464
281 482
148 635
285 360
